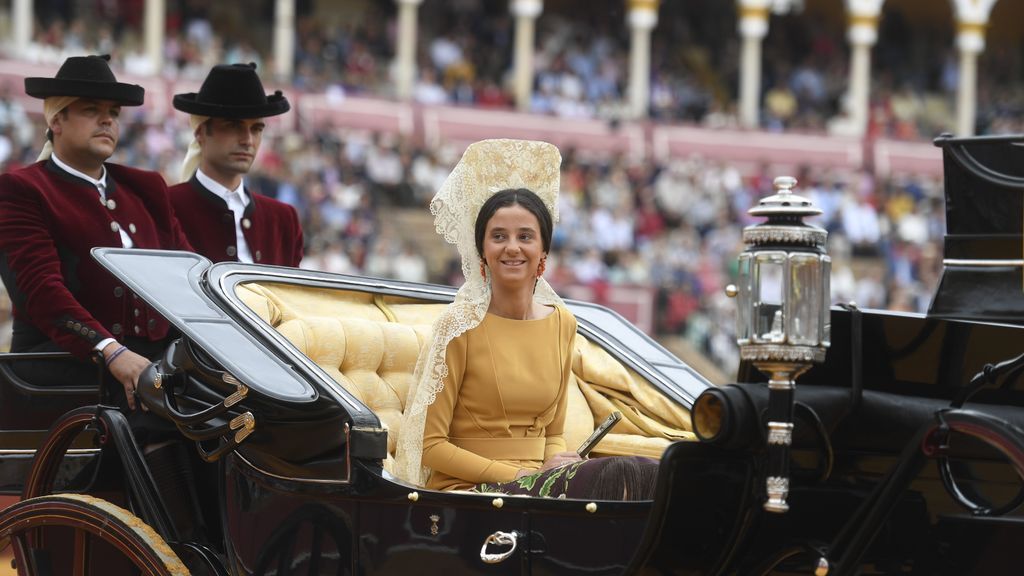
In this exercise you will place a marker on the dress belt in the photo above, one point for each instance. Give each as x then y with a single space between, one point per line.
504 448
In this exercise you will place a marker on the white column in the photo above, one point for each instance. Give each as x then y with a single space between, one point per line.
643 17
156 21
967 96
406 48
862 34
21 26
753 27
526 13
971 18
284 39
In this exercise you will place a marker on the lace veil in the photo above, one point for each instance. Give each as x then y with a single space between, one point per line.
485 168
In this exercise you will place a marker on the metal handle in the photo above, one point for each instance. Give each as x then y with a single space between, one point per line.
499 539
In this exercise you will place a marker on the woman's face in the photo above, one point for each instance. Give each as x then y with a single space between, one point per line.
513 247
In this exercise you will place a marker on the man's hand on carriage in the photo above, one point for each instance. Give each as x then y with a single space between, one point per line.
126 366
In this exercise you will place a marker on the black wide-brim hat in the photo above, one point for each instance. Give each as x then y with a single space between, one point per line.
232 91
86 77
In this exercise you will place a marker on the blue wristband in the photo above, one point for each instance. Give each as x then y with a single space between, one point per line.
115 354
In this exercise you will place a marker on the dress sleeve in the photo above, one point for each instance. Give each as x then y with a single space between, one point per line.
438 452
554 442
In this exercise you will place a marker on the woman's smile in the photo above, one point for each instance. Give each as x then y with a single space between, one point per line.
512 246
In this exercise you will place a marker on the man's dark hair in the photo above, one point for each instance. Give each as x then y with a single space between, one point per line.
512 197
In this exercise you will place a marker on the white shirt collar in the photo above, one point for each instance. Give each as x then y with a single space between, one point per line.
222 191
100 184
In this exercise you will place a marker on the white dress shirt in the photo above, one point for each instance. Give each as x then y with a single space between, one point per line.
236 201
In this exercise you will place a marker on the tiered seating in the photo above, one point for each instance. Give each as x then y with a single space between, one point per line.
369 344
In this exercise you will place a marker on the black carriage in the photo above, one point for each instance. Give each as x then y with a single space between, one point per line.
906 456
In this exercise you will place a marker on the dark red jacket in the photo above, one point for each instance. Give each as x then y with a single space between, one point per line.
49 220
271 228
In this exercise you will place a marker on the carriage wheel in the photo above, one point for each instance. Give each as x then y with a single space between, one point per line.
81 535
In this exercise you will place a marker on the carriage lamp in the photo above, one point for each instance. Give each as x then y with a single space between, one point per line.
782 324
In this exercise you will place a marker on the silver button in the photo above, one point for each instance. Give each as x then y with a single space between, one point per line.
137 312
131 228
118 291
111 205
114 226
77 326
259 256
116 328
137 329
92 334
84 331
151 324
246 223
231 251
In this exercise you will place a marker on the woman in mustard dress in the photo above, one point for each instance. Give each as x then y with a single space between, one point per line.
488 410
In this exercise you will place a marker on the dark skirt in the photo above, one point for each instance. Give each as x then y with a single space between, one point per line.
610 478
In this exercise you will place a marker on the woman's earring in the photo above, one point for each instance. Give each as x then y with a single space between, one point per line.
483 270
541 267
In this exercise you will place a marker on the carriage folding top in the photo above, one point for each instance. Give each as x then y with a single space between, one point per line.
907 453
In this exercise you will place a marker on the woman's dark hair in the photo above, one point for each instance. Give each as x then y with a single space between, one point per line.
512 197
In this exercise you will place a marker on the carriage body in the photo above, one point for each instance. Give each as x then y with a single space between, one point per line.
291 382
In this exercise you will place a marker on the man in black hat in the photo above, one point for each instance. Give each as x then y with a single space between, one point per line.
54 211
222 218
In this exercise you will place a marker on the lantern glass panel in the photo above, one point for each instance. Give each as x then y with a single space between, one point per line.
804 300
769 286
743 325
826 300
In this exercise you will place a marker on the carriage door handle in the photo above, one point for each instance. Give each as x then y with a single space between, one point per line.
499 539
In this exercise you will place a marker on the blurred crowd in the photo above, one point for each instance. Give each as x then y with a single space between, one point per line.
673 229
581 61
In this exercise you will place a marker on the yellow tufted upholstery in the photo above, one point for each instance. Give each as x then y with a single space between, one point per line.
370 345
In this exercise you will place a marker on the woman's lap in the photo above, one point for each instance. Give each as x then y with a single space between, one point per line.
611 478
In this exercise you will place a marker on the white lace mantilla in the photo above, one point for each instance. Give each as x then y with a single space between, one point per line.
486 167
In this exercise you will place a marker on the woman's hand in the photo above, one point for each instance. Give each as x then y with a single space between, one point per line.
560 459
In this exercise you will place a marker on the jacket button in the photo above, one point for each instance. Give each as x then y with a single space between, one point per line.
246 223
232 251
114 226
92 334
151 324
118 291
137 312
131 228
69 323
137 329
76 326
116 328
259 256
84 331
111 205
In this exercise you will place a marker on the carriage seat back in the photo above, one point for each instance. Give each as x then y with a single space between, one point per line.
370 343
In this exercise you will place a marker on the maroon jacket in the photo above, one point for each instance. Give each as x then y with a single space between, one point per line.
271 228
49 220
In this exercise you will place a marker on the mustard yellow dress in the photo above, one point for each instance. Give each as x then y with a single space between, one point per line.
503 405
